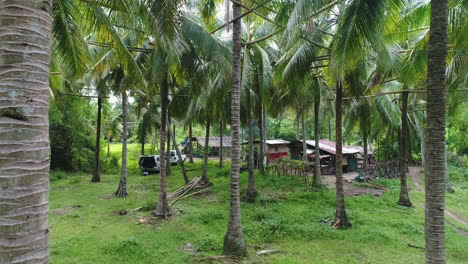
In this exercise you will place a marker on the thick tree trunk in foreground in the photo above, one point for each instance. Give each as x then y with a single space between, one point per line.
96 176
304 140
403 148
190 151
234 243
204 178
24 130
317 181
341 220
221 161
162 209
251 193
179 155
435 144
122 189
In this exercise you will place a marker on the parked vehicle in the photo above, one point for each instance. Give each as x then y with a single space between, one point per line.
149 163
174 158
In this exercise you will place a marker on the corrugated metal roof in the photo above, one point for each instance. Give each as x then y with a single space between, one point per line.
330 146
270 142
276 142
215 141
361 150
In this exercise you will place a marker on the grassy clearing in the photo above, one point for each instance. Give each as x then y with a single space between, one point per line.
86 226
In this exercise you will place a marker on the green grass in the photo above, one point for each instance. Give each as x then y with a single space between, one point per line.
86 226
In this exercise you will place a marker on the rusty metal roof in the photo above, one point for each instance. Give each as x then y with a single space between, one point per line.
215 141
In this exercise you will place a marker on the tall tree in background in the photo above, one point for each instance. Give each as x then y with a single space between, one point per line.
404 199
96 175
317 180
341 219
25 37
204 178
435 144
234 243
122 189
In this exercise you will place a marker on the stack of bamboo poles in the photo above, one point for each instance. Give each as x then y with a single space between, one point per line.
183 192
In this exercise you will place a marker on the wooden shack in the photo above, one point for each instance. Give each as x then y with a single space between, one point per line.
214 144
327 152
274 149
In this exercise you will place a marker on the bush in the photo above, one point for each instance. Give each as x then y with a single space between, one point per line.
58 175
110 165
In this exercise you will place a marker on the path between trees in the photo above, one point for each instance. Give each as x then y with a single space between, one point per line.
417 177
349 188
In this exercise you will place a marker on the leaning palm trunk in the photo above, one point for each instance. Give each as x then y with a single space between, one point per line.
122 189
234 240
341 220
205 154
96 176
404 193
162 209
190 151
251 193
317 181
435 144
24 130
176 147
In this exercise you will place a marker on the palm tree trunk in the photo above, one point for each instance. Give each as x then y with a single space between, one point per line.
221 161
422 138
317 181
168 142
176 147
205 154
162 209
143 146
304 140
251 193
341 220
96 176
190 144
122 189
234 240
24 130
260 127
403 148
436 123
298 135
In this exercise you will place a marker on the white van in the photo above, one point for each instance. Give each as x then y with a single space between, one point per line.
174 158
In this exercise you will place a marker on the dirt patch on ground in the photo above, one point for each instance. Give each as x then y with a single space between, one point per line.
349 188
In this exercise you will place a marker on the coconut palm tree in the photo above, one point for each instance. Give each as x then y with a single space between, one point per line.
234 243
435 140
25 40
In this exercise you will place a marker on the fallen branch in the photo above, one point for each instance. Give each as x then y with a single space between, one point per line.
413 246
